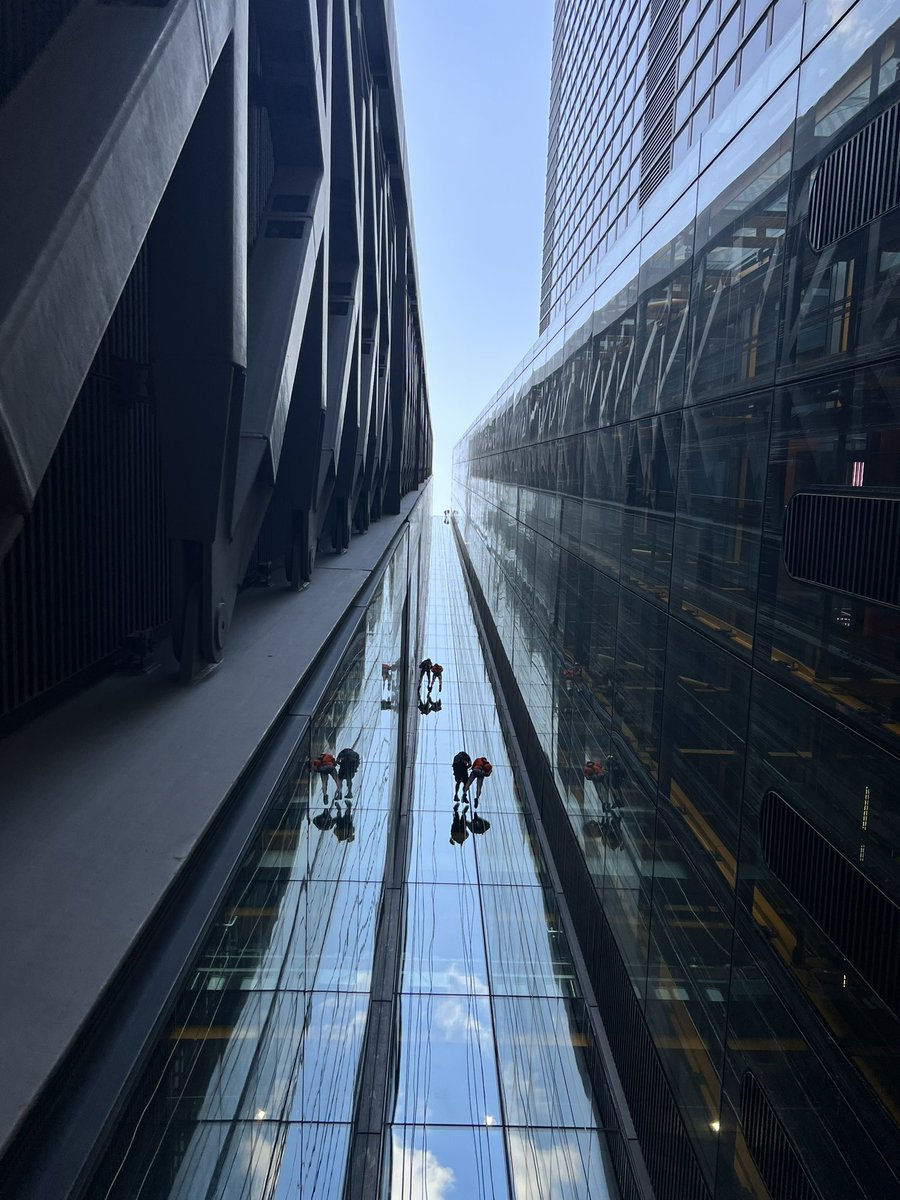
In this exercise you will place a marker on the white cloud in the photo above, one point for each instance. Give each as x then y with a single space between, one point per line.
458 1021
417 1175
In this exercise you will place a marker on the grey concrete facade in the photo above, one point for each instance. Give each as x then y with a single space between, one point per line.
227 179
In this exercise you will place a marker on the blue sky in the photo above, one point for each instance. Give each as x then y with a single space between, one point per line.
476 82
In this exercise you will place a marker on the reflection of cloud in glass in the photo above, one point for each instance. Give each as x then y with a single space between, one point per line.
557 1163
417 1175
542 1171
458 1021
457 979
859 28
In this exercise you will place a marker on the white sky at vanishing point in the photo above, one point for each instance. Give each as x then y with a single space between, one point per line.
475 76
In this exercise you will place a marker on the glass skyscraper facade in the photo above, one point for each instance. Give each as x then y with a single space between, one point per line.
679 516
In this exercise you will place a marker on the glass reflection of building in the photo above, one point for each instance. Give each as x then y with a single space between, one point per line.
681 513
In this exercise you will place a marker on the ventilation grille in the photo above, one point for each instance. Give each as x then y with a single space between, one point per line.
91 564
858 917
667 10
857 182
846 541
776 1159
659 116
661 134
663 59
662 98
26 26
657 173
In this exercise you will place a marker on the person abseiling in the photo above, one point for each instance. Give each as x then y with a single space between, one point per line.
437 676
461 766
348 765
481 768
326 768
425 671
593 770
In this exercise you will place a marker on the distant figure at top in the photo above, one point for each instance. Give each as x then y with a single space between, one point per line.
425 671
461 767
481 768
437 677
348 765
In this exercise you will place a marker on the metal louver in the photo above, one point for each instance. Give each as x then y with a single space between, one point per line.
771 1148
848 542
857 182
862 921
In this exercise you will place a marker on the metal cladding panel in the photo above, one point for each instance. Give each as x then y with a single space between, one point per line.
190 464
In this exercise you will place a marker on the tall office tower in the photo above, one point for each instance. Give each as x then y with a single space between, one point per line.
211 381
681 520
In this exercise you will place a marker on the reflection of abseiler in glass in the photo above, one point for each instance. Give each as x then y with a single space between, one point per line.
343 828
458 828
462 824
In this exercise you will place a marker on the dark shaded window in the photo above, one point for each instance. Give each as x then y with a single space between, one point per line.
860 919
640 667
651 468
602 510
740 251
707 697
718 524
662 324
771 1148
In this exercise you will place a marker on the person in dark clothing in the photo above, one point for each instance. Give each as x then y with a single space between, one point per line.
324 820
437 677
593 771
461 766
458 829
425 672
348 765
343 828
479 824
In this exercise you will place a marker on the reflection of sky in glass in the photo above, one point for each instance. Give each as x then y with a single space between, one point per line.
493 1038
246 1093
252 1090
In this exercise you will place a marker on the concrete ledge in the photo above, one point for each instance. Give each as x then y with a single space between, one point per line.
104 798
